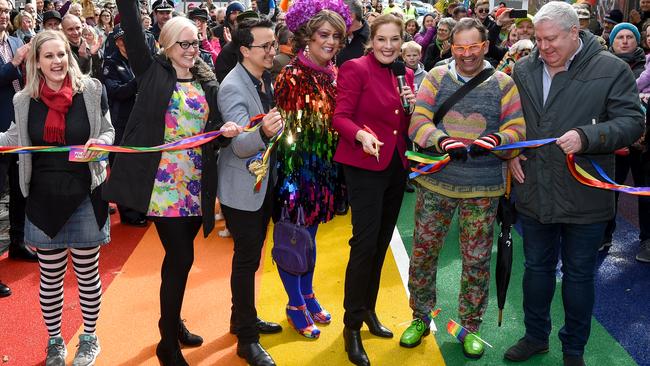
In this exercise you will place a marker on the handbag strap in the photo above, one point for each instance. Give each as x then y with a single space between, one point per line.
300 217
460 93
284 216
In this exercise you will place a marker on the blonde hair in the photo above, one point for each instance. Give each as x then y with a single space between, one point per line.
171 32
411 45
34 74
18 21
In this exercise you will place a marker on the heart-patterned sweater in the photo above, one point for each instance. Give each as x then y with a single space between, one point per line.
493 107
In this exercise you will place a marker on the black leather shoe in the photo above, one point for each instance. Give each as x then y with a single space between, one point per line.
254 354
375 325
4 290
186 338
573 360
20 252
262 326
524 349
410 188
353 346
139 222
342 208
170 357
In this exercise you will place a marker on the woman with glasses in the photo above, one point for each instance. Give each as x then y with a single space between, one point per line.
440 49
372 124
105 24
308 178
176 99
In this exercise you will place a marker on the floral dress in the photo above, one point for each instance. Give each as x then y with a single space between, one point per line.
177 187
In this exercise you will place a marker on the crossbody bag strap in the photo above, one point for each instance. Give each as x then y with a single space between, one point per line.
460 93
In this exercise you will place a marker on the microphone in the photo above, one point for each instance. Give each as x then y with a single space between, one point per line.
399 69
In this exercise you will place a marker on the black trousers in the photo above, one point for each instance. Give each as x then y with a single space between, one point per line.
248 230
9 166
177 237
634 163
375 200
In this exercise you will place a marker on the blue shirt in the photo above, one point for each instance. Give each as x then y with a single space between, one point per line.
547 79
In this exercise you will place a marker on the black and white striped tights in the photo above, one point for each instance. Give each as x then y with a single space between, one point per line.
53 264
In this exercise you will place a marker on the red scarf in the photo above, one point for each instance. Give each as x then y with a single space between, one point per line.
58 103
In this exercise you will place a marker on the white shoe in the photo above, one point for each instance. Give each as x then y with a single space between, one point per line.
225 233
87 350
218 217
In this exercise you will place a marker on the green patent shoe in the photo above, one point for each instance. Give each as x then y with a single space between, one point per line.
472 347
412 336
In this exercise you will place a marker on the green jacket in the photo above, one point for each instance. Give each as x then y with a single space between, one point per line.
597 96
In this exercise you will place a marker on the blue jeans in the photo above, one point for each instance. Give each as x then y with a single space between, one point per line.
578 245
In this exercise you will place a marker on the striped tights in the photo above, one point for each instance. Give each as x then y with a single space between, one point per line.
53 264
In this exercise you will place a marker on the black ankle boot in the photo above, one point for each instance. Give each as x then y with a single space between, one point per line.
353 346
168 356
375 325
186 338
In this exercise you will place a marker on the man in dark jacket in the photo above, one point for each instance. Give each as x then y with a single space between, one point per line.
573 89
162 12
12 55
358 35
121 89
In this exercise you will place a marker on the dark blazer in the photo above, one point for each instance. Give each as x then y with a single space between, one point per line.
132 175
357 47
8 73
367 95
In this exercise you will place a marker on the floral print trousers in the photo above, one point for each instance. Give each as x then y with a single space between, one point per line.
433 215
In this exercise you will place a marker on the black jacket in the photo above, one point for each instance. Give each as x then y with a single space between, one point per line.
634 59
597 96
121 89
226 61
357 47
132 175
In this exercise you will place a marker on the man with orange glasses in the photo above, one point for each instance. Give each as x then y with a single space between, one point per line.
487 116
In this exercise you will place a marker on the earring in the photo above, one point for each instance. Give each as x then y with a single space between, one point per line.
306 51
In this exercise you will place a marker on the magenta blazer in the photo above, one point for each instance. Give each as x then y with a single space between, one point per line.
367 95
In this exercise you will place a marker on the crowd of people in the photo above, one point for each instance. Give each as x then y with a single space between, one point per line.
317 102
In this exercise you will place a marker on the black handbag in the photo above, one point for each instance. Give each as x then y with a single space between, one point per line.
292 244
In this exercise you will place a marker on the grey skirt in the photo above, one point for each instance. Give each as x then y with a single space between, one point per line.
80 231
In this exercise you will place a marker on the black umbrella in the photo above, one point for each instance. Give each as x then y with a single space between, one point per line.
506 216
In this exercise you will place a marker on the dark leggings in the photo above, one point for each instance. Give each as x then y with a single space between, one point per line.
177 238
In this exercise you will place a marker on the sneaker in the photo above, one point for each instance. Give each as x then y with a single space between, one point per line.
472 347
605 245
56 352
218 216
644 253
225 233
412 336
524 349
87 350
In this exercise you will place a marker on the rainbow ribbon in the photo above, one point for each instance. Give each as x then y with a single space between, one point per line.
431 164
459 332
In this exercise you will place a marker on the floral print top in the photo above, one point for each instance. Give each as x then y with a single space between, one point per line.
177 188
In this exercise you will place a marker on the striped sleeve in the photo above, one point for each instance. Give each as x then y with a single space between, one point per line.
513 127
422 131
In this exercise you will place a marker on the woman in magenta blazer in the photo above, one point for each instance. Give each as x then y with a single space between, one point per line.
372 126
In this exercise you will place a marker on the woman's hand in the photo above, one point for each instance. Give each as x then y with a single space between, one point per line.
90 154
98 44
231 129
369 143
272 123
408 93
226 35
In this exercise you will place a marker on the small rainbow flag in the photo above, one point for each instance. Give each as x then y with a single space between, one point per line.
456 330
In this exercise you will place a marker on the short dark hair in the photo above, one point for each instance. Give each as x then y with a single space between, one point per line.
284 35
467 24
243 35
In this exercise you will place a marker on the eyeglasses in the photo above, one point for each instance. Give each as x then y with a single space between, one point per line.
268 46
5 11
472 48
482 10
186 44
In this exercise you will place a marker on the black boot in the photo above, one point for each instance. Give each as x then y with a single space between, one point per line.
186 338
375 326
353 346
4 290
169 356
20 252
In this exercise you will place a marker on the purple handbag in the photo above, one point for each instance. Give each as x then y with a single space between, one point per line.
292 244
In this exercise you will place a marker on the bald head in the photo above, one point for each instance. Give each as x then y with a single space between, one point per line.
71 26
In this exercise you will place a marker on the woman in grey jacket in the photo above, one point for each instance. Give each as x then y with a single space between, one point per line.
64 210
